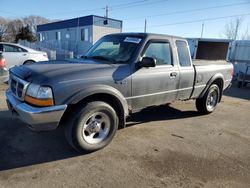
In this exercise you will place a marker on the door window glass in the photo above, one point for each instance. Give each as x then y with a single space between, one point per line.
160 51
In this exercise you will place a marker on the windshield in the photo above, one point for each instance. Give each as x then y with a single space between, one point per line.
115 49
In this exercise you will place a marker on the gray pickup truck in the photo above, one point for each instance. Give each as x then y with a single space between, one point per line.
122 73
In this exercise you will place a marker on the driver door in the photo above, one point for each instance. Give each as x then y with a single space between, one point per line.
159 84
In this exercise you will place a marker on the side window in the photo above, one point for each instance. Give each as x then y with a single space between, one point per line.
84 34
183 53
11 48
22 50
160 51
58 35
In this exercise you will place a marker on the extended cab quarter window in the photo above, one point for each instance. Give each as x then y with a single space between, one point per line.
160 51
183 53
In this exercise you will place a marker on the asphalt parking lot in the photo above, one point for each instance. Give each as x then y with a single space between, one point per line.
166 146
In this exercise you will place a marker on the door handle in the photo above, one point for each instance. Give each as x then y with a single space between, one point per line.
173 74
24 54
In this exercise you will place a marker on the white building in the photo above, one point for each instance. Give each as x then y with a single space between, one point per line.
77 34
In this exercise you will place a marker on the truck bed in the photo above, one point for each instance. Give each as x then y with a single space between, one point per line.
206 69
201 62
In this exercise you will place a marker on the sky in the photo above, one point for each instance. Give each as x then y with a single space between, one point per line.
175 17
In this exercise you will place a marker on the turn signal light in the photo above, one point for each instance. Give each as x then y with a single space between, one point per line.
39 102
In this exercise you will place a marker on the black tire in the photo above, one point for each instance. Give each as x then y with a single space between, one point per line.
203 105
28 62
79 128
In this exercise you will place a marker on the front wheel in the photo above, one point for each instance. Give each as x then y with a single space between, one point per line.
209 101
93 127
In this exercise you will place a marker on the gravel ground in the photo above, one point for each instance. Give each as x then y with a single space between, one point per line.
166 146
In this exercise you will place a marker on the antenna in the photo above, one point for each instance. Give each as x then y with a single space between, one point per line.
145 26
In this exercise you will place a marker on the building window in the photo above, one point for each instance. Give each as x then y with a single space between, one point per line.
40 37
58 35
84 34
67 36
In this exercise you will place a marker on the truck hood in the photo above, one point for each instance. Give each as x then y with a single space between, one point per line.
65 70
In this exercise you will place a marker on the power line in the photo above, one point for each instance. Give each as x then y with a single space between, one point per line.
117 6
193 21
190 10
75 11
131 3
148 3
12 13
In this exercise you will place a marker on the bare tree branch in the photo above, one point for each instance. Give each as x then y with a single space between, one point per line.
231 29
10 28
245 35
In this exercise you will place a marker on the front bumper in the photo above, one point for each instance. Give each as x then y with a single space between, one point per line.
4 75
37 118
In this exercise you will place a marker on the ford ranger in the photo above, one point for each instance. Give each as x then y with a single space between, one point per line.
121 74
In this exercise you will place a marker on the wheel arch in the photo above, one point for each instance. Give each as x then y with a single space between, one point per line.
103 93
33 61
217 79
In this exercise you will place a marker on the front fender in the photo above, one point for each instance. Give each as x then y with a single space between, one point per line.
98 89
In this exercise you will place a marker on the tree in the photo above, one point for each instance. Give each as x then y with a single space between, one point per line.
25 34
32 21
3 29
245 35
9 29
13 29
231 29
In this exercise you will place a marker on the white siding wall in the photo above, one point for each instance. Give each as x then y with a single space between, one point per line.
99 32
70 39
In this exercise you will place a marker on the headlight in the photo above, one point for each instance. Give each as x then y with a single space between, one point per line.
39 95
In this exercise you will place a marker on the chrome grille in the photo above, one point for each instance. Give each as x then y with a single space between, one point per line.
18 87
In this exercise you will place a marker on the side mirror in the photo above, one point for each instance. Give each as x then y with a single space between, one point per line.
147 62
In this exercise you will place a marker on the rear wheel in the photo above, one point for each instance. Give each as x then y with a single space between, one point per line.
93 127
209 101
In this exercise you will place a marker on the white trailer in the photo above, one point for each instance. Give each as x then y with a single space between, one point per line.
240 55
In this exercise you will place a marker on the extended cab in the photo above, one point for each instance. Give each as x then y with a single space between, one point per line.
122 73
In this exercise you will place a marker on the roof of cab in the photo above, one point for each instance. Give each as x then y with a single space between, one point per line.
147 35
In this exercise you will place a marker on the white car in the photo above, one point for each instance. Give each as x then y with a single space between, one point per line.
16 54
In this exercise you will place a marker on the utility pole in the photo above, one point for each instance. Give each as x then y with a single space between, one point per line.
145 26
107 11
202 28
236 29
